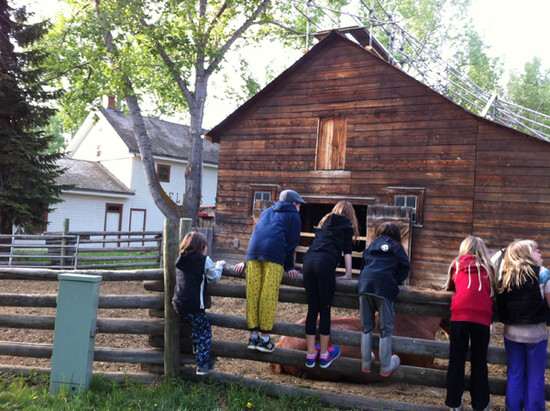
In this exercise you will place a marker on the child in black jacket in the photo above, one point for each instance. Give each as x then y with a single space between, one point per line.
385 266
333 237
193 270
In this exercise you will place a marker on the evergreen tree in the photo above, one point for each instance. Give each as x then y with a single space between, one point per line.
27 171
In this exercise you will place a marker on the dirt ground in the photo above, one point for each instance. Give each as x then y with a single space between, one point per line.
285 312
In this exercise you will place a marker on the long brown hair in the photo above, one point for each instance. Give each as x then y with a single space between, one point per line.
388 229
346 209
193 242
517 267
473 246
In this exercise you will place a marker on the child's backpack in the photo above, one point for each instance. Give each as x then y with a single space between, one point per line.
497 260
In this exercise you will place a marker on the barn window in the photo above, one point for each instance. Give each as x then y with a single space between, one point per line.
331 143
261 197
98 150
408 197
163 172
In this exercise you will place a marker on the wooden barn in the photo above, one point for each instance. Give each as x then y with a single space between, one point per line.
342 123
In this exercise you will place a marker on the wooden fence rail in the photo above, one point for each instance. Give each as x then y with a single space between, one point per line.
165 329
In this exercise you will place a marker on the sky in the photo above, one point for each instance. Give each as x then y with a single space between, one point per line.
515 30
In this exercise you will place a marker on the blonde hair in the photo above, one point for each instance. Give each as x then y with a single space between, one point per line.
193 242
473 246
346 209
517 267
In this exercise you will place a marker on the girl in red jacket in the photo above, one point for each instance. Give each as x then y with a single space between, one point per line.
470 276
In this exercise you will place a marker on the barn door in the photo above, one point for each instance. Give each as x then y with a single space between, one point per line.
378 214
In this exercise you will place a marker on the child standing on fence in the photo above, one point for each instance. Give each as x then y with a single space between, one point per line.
270 253
523 305
385 266
194 269
471 277
333 236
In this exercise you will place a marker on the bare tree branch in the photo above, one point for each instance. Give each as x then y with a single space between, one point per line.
170 65
276 23
214 22
236 35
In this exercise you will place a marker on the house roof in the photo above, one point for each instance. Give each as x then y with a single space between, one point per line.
214 133
90 176
167 139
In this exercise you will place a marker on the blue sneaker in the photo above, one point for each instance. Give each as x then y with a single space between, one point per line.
310 362
333 353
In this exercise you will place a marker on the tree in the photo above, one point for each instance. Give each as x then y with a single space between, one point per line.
531 88
167 51
27 171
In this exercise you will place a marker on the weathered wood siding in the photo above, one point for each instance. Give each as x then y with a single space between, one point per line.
400 133
512 197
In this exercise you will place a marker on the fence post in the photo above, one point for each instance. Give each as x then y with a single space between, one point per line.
63 250
185 227
171 319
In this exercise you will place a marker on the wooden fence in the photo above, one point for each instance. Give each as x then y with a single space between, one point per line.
170 350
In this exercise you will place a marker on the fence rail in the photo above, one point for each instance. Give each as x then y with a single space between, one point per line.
165 330
82 250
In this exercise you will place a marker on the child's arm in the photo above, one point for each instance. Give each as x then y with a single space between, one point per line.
403 267
213 271
347 260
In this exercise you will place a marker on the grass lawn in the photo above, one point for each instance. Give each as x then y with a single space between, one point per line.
32 393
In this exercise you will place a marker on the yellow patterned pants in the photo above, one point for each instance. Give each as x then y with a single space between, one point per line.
263 279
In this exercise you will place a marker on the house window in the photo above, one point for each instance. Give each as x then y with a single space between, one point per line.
163 172
262 196
331 143
98 150
408 197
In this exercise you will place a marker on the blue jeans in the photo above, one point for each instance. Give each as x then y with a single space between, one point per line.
368 305
525 373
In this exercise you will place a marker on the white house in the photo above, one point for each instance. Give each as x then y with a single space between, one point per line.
104 165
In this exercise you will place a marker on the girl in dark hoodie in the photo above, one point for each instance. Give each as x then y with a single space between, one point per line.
194 269
334 235
385 266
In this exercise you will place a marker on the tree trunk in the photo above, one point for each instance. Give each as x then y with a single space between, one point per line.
193 175
161 199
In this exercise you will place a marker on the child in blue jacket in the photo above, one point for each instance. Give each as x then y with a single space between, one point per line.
270 253
385 266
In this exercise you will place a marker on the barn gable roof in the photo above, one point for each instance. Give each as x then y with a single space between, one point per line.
167 139
309 58
90 176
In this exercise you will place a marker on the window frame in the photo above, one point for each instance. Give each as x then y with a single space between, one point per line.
263 188
418 192
164 167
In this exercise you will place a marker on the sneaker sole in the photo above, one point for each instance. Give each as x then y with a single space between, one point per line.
252 347
310 365
264 349
328 364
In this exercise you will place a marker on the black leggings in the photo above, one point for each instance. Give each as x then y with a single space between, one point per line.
320 283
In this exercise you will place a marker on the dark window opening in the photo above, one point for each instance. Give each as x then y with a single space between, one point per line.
163 172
